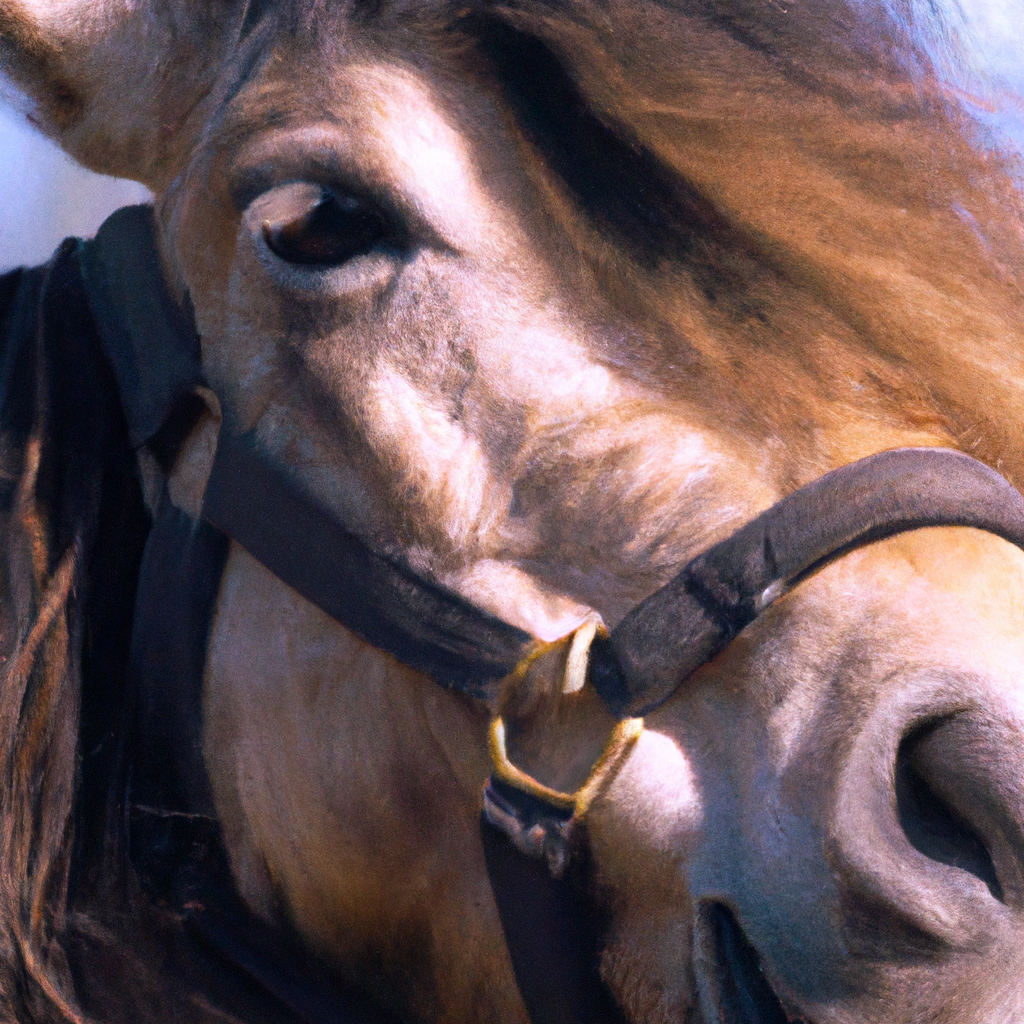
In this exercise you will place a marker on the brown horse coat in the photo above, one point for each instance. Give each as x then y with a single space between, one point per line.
644 268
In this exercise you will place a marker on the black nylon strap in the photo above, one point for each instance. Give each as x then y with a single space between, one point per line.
178 584
150 339
423 625
695 616
552 938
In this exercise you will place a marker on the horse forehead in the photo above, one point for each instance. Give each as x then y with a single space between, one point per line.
374 96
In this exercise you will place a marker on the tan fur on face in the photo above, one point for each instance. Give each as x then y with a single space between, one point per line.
549 407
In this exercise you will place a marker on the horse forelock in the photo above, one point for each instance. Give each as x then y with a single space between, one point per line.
677 130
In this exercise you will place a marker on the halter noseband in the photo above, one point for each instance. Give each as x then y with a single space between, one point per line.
664 639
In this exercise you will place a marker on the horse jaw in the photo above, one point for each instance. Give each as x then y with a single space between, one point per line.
348 788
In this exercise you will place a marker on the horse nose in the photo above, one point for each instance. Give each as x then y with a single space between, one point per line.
955 802
927 838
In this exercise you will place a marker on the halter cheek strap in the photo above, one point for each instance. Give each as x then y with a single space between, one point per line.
257 503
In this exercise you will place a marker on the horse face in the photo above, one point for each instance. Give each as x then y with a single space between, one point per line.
482 349
392 298
835 802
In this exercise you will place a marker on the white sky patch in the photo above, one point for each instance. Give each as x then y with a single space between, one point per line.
44 195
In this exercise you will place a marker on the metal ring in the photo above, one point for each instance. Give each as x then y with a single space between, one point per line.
619 744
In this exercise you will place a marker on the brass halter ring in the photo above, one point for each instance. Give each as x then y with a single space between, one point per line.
620 742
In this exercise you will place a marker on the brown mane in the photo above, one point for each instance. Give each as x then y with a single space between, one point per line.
41 689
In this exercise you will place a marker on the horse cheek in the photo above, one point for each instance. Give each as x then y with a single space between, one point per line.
348 787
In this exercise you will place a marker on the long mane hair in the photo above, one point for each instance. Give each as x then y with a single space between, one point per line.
66 466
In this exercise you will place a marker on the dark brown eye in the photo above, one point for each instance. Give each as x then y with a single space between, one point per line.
332 230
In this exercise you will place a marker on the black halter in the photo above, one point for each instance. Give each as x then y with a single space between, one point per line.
258 503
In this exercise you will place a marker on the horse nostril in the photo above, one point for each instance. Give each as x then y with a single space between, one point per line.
932 826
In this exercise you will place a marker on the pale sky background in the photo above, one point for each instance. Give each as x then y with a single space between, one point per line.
45 196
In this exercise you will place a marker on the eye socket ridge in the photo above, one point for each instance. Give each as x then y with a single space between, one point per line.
335 227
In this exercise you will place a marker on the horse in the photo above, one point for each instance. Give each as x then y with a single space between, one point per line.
523 528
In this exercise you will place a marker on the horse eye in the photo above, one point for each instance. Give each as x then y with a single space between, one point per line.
335 228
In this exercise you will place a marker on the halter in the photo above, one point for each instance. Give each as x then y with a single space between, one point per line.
635 668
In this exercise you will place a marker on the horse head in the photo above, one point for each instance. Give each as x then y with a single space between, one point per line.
540 302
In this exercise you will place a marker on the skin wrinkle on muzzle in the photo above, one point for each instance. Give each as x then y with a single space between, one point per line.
548 309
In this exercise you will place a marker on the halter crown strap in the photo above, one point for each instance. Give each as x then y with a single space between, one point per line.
148 336
153 346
